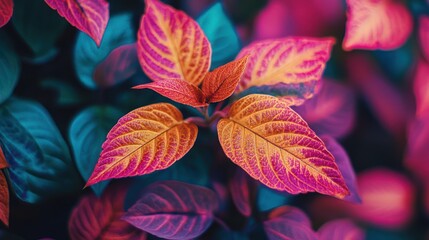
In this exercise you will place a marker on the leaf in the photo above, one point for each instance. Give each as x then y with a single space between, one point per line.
221 34
417 150
288 223
424 35
371 25
88 56
331 111
147 139
272 143
173 210
220 84
345 166
39 159
90 17
38 26
10 67
240 188
420 86
3 162
177 90
171 45
120 65
6 11
290 60
339 230
4 199
269 198
87 133
100 218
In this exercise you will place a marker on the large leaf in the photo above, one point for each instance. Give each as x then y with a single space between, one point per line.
293 60
9 68
6 11
4 199
90 17
171 45
87 55
424 35
38 25
100 217
221 34
147 139
274 145
87 132
174 210
384 25
339 230
39 159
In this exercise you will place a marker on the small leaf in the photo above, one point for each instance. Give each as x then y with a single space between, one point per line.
424 35
6 11
288 223
420 86
121 64
274 145
345 166
39 159
171 45
147 139
177 90
4 199
173 210
417 150
38 25
3 162
339 230
221 34
9 68
87 55
100 218
219 84
90 17
290 60
240 188
384 25
87 133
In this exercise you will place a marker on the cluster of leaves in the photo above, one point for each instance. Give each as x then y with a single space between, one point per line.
265 107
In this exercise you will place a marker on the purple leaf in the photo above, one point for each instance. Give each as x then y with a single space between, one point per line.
340 229
240 188
288 223
173 210
345 166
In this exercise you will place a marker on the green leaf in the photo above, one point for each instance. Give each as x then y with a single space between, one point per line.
87 133
38 25
9 68
39 159
221 33
87 55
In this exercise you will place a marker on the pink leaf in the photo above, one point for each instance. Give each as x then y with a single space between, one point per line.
240 187
345 166
6 11
380 24
120 64
89 16
173 210
417 148
424 35
339 230
331 111
421 85
288 223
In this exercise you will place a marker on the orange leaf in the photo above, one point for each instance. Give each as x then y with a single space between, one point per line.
147 139
274 145
177 90
287 60
3 163
4 200
219 84
171 45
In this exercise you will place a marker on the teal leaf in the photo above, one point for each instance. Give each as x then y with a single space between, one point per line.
38 25
269 198
39 158
87 133
87 55
221 33
9 68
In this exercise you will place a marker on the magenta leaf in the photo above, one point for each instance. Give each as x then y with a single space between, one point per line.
417 150
289 223
240 187
173 210
90 17
6 11
339 230
344 164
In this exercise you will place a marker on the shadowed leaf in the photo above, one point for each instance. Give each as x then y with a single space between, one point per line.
3 162
240 188
420 86
10 67
339 230
424 35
